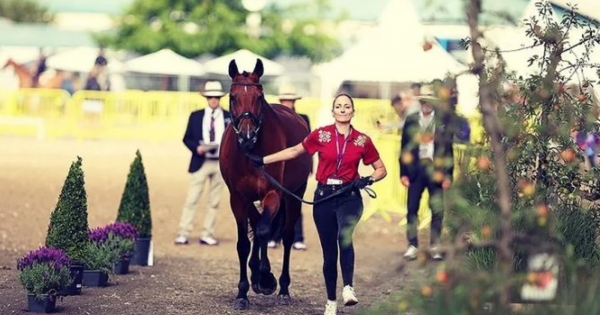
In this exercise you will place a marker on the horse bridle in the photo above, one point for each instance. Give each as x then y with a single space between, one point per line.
256 120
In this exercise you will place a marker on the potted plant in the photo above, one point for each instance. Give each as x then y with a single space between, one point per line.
43 273
121 240
135 209
99 259
68 226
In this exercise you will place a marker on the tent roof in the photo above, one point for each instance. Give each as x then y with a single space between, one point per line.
80 60
245 60
165 62
392 53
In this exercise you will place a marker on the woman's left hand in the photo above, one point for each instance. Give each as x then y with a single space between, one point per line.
362 182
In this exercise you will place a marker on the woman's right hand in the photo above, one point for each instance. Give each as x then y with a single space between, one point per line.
405 181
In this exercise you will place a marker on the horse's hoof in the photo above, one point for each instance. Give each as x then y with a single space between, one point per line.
256 289
267 284
284 299
241 304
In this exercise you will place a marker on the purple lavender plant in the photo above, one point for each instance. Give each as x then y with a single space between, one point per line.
123 230
44 271
98 235
55 257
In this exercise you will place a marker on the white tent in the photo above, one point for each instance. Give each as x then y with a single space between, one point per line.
245 60
165 62
81 60
517 49
392 53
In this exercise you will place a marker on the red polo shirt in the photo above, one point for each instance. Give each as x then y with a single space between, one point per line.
358 146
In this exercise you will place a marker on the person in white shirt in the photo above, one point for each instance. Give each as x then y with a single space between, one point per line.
426 162
202 137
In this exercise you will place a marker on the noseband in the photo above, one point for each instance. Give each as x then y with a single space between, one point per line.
256 120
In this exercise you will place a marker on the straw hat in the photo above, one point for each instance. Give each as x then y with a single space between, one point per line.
428 95
213 89
288 93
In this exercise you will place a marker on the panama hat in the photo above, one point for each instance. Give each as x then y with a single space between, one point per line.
213 89
288 93
428 95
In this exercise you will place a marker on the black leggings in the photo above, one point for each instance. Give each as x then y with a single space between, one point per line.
335 220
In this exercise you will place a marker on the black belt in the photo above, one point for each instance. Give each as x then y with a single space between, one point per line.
212 158
332 187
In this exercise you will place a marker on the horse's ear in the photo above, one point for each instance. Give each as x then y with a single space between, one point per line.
258 68
233 69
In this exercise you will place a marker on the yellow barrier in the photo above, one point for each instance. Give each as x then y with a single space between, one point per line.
162 116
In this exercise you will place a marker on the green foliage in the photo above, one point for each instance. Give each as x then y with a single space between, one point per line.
43 278
135 201
120 246
27 11
547 214
100 257
192 28
68 228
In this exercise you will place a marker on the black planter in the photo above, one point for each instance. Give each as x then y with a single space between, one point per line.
45 304
141 251
94 278
76 271
121 267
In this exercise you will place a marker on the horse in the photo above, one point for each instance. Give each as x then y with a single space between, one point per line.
261 128
26 78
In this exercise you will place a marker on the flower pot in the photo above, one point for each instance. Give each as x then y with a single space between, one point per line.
94 278
46 303
121 267
141 251
76 271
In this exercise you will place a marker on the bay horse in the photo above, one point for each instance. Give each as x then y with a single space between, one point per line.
261 128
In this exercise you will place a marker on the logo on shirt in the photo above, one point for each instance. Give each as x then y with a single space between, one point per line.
360 141
324 136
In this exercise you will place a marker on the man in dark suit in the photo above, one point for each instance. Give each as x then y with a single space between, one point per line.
202 137
288 98
426 162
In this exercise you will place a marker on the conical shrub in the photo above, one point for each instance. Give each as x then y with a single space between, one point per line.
68 228
135 201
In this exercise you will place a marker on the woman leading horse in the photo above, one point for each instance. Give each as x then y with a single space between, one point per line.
260 128
338 203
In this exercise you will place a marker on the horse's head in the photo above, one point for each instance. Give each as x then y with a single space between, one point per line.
246 103
9 63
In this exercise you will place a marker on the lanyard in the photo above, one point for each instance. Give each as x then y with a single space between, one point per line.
340 155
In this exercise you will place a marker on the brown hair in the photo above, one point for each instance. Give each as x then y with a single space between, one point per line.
343 94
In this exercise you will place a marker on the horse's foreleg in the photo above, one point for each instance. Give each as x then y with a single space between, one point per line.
254 263
292 210
243 249
267 284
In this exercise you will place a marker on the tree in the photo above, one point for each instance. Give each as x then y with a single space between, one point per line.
27 11
135 201
68 228
522 193
192 28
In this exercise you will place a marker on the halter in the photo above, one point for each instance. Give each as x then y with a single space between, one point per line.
256 120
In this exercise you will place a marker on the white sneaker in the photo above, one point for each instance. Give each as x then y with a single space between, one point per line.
435 254
331 308
411 252
272 244
181 240
299 246
208 240
349 296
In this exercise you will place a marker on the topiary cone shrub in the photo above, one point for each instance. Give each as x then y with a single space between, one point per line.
68 228
135 209
135 201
